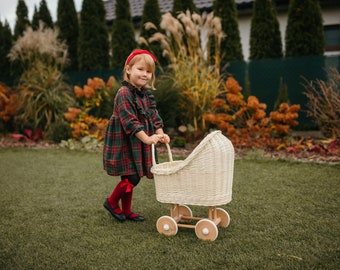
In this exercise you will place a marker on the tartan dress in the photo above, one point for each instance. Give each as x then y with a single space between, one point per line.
133 111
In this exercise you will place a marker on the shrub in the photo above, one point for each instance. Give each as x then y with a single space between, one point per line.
44 95
67 22
246 122
186 44
231 44
59 131
5 46
167 98
324 103
178 142
42 89
22 20
284 118
93 41
9 104
282 95
123 39
304 31
90 119
152 13
265 36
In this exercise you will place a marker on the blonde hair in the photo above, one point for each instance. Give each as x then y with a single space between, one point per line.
150 64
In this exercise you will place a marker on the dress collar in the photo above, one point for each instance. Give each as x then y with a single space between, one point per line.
134 89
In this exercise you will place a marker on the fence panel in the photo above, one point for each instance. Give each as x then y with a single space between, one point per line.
264 77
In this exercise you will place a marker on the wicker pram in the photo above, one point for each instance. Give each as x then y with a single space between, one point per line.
204 178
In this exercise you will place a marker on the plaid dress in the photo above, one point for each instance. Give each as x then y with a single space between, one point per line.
134 111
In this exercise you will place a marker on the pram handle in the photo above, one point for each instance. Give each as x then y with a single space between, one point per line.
153 153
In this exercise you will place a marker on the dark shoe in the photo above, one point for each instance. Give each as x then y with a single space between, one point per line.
135 217
120 217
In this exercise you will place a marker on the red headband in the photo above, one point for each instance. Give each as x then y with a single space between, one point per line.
136 52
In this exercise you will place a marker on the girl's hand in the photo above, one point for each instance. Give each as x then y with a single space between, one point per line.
154 139
164 138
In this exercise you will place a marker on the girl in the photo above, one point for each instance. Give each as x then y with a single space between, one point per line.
134 125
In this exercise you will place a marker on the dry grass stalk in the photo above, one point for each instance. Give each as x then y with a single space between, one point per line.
324 103
43 92
186 43
41 45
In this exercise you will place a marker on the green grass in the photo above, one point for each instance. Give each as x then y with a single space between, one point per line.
284 215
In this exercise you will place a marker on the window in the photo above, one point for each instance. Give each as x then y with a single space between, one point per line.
332 37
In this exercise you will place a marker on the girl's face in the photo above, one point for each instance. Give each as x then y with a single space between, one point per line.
139 73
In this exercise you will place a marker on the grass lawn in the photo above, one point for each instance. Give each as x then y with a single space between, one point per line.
284 215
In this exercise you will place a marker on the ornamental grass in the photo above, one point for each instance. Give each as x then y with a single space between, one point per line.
194 68
44 95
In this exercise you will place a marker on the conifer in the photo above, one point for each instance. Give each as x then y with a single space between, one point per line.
5 47
152 14
265 36
45 15
22 20
67 21
231 48
304 32
183 6
123 34
35 19
93 41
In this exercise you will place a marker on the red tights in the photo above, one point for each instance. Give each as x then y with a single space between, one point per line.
122 192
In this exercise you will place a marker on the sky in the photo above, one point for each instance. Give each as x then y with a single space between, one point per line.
8 9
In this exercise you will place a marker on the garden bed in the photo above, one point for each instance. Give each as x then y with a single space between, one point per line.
317 153
304 156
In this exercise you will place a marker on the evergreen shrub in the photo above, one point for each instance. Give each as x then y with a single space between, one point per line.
59 131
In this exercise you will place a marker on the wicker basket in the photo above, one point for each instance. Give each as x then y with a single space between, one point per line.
204 178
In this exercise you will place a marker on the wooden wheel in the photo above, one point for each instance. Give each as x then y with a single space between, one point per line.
224 216
167 225
206 229
185 211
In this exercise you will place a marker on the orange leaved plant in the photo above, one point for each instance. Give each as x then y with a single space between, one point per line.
246 122
95 106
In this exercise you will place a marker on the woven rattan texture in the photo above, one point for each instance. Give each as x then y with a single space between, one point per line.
204 178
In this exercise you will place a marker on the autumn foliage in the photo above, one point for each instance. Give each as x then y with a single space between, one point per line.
9 105
246 123
86 120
